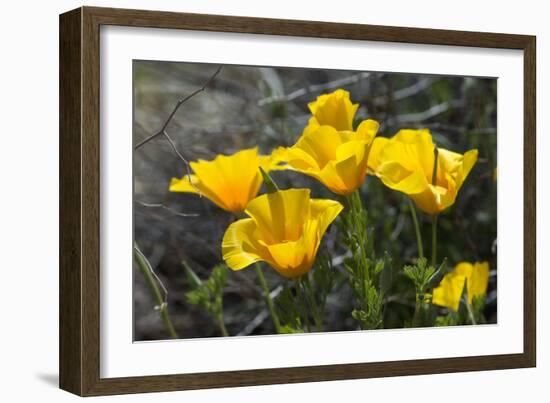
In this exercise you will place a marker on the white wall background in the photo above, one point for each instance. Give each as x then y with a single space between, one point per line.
29 172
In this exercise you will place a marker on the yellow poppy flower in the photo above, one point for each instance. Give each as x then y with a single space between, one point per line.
334 109
338 159
406 162
285 229
229 181
449 291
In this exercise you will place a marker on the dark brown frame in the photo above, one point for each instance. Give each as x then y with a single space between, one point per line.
79 200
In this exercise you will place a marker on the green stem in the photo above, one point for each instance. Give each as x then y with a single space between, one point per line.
360 232
417 317
302 305
219 314
416 229
310 297
145 268
434 240
362 275
268 300
471 313
221 325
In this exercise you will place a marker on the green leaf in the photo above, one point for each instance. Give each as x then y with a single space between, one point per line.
378 266
359 315
478 306
270 185
287 309
438 275
323 274
286 329
207 294
386 275
192 277
451 319
425 315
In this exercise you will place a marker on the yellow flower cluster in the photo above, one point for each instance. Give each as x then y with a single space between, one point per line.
406 163
329 150
475 277
230 182
284 228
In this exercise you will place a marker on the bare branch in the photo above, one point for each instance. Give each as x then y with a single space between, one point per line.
185 162
431 112
158 280
164 207
314 88
406 92
398 227
254 323
178 104
261 316
338 260
457 130
173 145
424 115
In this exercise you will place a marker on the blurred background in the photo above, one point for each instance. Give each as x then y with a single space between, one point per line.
267 107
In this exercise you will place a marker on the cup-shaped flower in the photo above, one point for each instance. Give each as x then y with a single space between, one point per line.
405 163
229 181
338 159
474 276
334 109
284 229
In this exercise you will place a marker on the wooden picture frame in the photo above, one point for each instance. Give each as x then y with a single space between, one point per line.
80 199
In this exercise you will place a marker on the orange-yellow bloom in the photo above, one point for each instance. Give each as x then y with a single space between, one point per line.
338 159
228 181
334 109
406 163
285 229
449 291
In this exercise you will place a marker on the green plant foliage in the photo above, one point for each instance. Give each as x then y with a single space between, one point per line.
208 294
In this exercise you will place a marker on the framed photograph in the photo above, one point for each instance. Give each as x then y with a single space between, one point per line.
249 201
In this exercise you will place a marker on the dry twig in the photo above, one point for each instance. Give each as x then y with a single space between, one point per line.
163 132
164 207
406 92
178 105
314 88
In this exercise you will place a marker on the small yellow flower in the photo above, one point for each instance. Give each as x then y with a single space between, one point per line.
449 291
334 109
406 163
338 159
228 181
285 229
